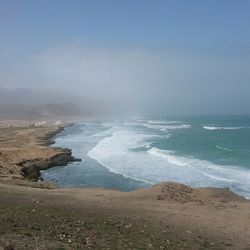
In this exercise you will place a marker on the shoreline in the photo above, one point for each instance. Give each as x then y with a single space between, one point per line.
63 156
38 215
28 159
57 156
151 184
30 168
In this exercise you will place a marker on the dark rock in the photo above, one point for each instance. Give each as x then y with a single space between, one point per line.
77 159
31 168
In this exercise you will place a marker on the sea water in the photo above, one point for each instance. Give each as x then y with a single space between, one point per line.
127 154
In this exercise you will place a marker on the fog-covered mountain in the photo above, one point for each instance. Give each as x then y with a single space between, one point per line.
21 103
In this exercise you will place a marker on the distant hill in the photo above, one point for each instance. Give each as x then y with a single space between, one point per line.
42 103
41 111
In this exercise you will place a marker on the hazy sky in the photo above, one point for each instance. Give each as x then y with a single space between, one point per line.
185 57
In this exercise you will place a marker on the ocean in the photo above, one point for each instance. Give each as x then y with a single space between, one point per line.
127 154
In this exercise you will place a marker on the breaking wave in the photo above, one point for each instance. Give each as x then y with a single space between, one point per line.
166 127
221 128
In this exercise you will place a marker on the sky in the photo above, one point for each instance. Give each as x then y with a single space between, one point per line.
174 56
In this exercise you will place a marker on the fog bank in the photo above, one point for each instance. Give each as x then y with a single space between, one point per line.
174 82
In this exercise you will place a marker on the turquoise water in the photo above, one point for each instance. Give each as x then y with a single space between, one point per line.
127 154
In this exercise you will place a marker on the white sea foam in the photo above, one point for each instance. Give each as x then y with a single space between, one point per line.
84 123
162 122
120 141
155 165
131 123
217 178
106 132
107 124
167 155
114 149
212 174
115 153
225 149
221 128
166 127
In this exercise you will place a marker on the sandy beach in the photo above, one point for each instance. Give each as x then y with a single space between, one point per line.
39 215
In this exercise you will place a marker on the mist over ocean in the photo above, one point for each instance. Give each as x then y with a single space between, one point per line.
127 154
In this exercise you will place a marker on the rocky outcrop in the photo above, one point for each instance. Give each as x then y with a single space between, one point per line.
30 169
48 138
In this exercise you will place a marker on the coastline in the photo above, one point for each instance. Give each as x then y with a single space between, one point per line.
30 169
165 216
24 160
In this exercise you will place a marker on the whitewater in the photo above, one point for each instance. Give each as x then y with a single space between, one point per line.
127 154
